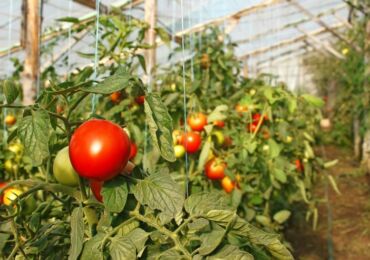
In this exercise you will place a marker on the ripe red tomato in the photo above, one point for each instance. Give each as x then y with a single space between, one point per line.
197 121
140 100
115 97
265 134
96 187
60 109
133 151
298 165
2 184
252 127
257 116
227 184
99 149
219 123
191 141
228 142
215 169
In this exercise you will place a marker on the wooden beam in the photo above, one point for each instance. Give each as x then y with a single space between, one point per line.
123 5
150 54
289 25
92 4
32 60
322 23
326 45
288 41
237 15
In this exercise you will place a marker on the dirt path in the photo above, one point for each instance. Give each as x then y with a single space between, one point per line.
350 216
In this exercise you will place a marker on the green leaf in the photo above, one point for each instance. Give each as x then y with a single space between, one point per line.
159 191
77 233
204 155
280 175
10 90
282 216
33 132
292 104
198 225
122 248
163 35
120 80
200 203
218 113
68 20
138 237
114 194
160 125
141 61
231 252
315 101
92 249
274 148
211 240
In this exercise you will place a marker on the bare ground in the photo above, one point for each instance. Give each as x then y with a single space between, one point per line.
350 215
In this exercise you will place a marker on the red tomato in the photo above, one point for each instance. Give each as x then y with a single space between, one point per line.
2 184
191 141
265 134
257 116
299 165
228 142
219 123
140 100
10 120
133 151
96 187
227 184
99 149
115 97
197 121
252 127
215 169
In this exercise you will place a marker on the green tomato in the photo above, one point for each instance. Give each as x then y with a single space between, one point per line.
220 138
179 151
63 170
10 166
16 148
289 139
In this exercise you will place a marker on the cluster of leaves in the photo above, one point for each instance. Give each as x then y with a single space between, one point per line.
145 215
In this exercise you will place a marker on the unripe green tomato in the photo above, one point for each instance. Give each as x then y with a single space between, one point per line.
173 86
219 137
289 139
179 150
29 205
252 92
63 169
265 148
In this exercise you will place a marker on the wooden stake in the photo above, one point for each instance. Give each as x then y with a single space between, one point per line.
150 36
366 143
32 60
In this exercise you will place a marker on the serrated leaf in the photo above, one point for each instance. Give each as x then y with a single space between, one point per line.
141 61
33 132
138 237
280 175
200 203
122 248
92 249
120 80
231 252
10 90
315 101
275 148
160 125
211 240
114 194
204 155
77 233
198 225
160 192
281 216
218 113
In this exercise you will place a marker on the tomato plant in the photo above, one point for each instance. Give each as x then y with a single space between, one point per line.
191 141
63 170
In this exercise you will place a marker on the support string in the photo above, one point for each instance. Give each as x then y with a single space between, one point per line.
96 57
5 132
184 101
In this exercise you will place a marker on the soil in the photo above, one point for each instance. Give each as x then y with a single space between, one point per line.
350 215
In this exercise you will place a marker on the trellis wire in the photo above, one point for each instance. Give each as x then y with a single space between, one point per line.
184 101
96 55
5 132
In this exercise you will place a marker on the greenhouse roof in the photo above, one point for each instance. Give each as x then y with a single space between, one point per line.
272 35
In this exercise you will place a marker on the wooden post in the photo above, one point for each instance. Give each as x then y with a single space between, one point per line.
150 36
32 60
366 143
